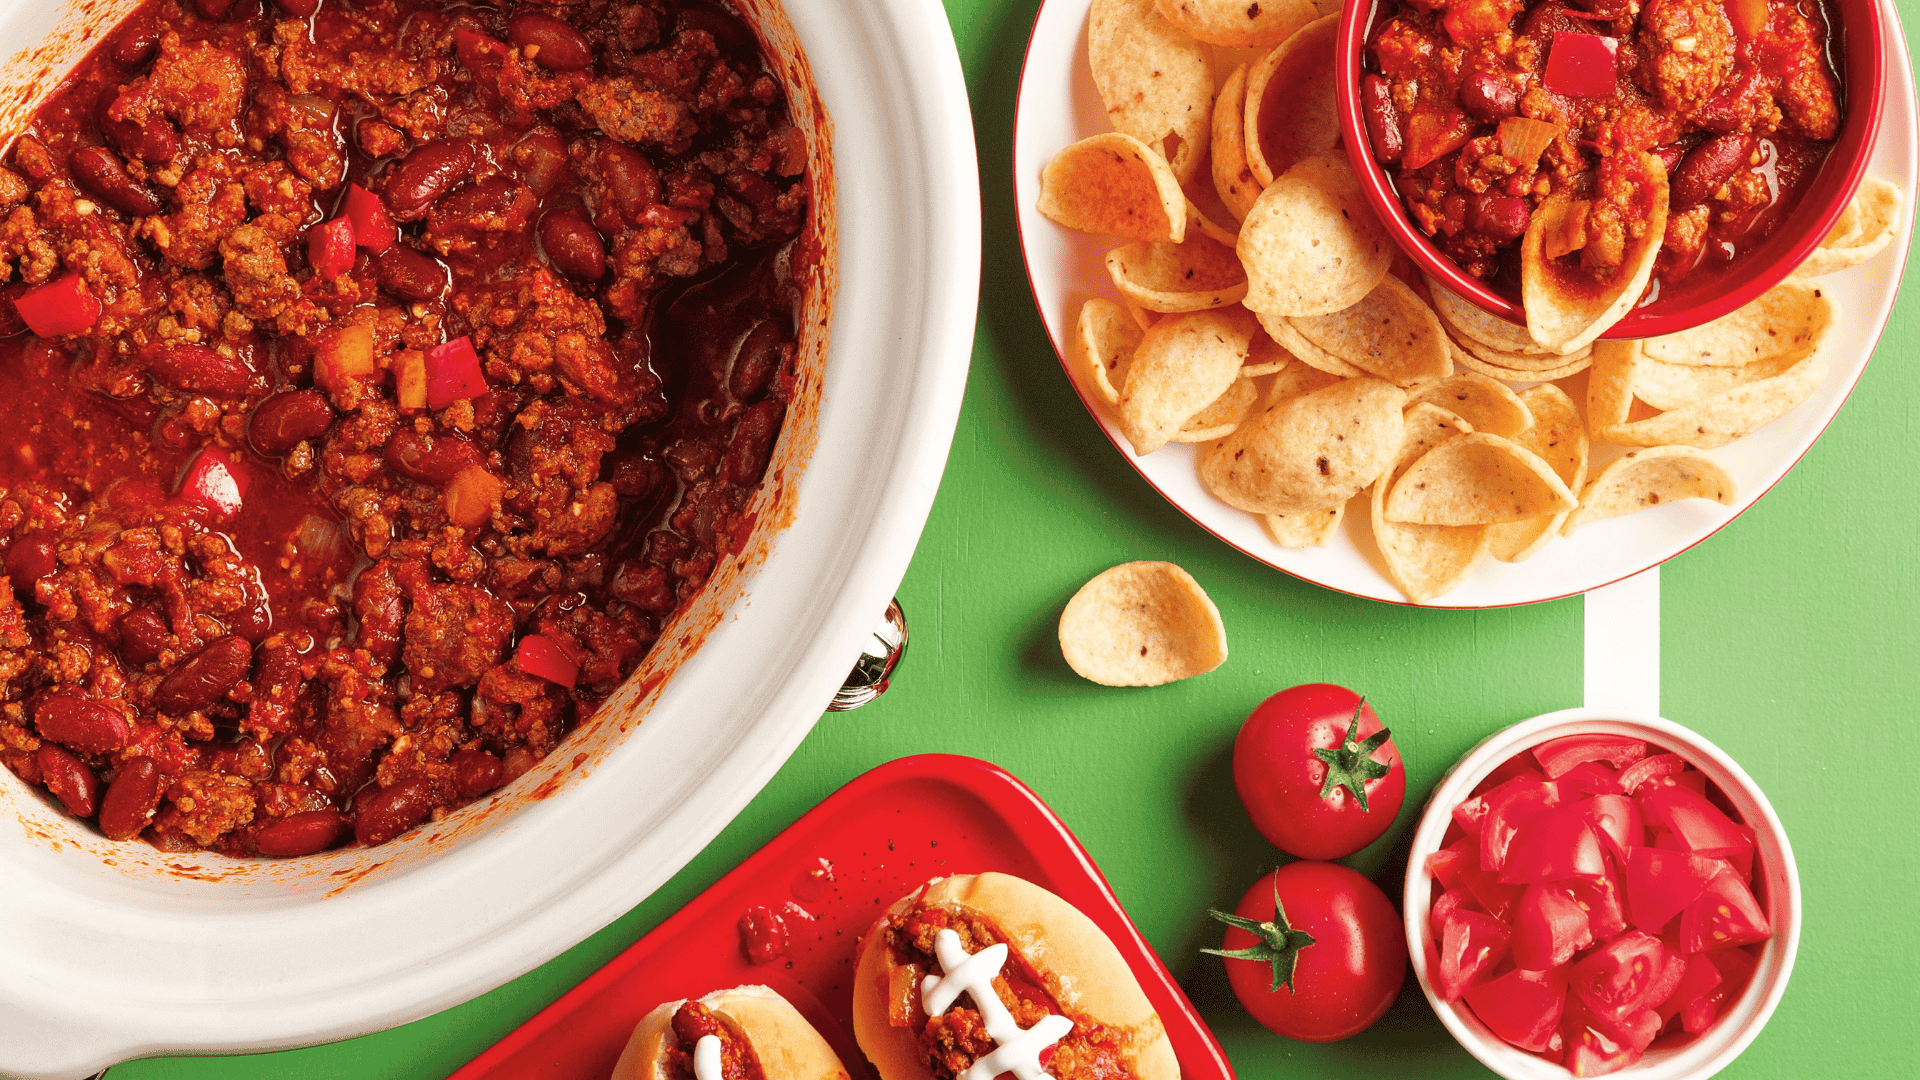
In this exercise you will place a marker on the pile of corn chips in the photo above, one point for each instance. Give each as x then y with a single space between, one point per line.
1265 314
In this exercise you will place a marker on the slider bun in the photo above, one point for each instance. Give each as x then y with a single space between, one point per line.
787 1046
1078 965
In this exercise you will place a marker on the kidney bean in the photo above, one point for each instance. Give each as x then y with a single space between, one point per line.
101 172
746 458
1500 217
761 354
196 369
428 459
1710 165
392 811
73 721
29 559
213 9
553 44
476 772
136 42
432 170
729 33
152 139
130 799
1383 120
498 204
143 635
573 245
288 419
1488 98
300 834
299 9
410 275
276 689
205 676
542 160
630 178
69 779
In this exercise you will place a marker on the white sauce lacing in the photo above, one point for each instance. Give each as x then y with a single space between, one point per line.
1017 1049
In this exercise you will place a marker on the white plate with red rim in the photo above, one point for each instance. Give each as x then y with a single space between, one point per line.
1058 105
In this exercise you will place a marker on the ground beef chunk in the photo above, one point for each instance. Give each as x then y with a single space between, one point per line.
256 272
1687 48
454 635
199 85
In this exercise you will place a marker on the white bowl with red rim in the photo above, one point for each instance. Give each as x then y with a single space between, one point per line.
1741 1020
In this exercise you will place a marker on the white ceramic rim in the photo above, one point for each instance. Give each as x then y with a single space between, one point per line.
102 966
1742 1021
1058 105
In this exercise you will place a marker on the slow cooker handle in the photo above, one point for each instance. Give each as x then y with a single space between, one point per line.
871 673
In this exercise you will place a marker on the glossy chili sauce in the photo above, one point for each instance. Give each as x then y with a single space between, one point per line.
1739 99
951 1042
309 544
694 1021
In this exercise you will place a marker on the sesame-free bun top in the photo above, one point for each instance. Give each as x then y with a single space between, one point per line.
1078 965
787 1047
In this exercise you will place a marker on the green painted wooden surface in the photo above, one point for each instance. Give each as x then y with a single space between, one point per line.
1789 640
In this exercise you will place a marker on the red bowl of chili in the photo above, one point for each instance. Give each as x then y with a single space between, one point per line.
1800 94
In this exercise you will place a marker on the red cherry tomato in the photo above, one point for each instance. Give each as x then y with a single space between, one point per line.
1314 951
1318 774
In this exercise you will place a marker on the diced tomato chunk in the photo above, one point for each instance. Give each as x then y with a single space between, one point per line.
59 307
1558 756
1483 885
1523 1007
1549 926
214 482
1661 883
1696 823
1590 1050
1736 967
1553 847
1626 975
1469 814
1510 806
1588 778
1616 820
1471 944
1446 904
1647 768
1723 916
1701 976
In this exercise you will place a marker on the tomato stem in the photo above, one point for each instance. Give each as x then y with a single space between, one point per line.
1280 944
1351 765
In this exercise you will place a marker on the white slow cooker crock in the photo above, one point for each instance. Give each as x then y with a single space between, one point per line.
114 951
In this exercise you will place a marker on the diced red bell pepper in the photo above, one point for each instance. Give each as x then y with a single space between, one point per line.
1648 768
1549 926
1557 756
59 307
1523 1007
1698 824
1555 846
330 248
1510 806
1725 915
1582 65
1616 819
1661 883
1471 944
372 225
214 482
453 373
539 656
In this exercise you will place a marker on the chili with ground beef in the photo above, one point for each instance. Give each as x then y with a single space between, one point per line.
397 370
692 1022
951 1042
1484 108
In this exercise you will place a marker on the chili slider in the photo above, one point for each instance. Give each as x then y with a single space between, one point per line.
975 976
746 1033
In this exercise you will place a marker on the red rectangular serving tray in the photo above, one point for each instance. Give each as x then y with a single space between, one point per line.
883 835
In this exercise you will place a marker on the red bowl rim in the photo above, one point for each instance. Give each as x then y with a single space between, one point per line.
1864 80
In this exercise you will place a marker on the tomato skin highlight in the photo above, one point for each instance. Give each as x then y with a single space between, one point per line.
1279 777
1342 983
